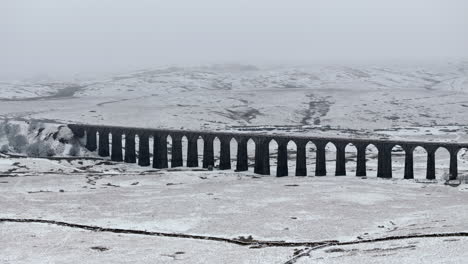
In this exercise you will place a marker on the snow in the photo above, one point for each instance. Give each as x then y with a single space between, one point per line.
356 100
427 250
216 203
70 246
423 102
38 139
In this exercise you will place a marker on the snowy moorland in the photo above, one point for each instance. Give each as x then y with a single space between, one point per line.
63 204
397 100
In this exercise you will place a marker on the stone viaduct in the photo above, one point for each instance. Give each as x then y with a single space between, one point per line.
262 155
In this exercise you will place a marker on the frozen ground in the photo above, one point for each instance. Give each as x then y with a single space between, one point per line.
257 219
83 209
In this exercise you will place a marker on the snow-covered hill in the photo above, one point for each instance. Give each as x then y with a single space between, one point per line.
363 100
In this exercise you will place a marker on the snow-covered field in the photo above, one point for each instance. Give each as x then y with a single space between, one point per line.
91 211
212 210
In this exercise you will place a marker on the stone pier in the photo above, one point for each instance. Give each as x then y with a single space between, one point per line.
97 138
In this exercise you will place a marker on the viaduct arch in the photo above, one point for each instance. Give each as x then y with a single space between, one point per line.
97 138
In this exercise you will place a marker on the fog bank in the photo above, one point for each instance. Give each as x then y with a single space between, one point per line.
66 37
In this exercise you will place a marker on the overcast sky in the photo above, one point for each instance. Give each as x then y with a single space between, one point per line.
85 36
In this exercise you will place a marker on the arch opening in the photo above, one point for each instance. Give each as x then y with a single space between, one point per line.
372 154
217 151
398 157
462 160
250 154
169 149
310 153
351 159
291 156
233 147
184 141
330 158
420 162
442 163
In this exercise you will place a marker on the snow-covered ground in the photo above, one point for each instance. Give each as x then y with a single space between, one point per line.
63 211
367 100
223 216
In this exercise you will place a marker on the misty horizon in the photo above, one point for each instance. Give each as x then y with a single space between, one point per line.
84 37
